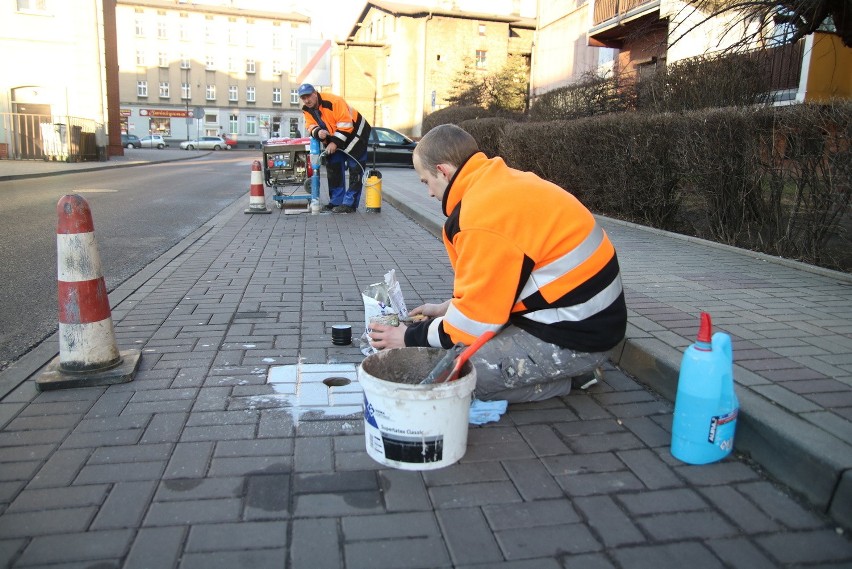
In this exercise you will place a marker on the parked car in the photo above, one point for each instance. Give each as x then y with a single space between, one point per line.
130 141
232 142
206 143
153 141
390 147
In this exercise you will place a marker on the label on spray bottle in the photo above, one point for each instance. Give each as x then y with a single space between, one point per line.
722 428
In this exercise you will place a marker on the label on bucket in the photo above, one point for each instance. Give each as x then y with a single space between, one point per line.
410 448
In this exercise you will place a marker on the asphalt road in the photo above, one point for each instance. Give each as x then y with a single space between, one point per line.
138 213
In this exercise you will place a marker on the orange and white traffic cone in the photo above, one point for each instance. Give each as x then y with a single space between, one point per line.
88 353
257 199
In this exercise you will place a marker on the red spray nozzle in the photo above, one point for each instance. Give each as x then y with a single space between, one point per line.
705 330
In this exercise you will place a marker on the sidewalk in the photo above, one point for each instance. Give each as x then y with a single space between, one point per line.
202 461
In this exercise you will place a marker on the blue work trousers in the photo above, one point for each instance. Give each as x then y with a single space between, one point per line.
336 167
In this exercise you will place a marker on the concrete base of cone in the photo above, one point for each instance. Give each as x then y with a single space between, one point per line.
258 211
55 378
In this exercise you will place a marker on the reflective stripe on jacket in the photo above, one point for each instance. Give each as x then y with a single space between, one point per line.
348 128
527 252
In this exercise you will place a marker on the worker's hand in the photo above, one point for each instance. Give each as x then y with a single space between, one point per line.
431 310
383 336
322 134
330 148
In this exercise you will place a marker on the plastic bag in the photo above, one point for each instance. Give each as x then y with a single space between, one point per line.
383 302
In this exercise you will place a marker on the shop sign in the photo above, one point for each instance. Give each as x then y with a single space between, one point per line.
163 113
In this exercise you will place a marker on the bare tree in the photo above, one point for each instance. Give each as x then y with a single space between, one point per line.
800 18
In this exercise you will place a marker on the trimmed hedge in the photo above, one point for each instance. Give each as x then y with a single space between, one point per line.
770 179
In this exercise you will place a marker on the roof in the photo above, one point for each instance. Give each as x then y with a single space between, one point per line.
189 6
414 11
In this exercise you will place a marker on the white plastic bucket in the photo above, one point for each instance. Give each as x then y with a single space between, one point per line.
411 426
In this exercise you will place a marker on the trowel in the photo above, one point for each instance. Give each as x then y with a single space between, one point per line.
449 366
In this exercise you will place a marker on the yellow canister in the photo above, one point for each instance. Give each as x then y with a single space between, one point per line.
373 198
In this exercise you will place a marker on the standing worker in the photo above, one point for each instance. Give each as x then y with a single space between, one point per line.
339 127
527 256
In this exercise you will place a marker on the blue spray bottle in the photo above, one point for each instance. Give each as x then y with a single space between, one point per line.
706 407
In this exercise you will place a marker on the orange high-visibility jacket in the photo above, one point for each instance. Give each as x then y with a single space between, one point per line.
348 128
526 252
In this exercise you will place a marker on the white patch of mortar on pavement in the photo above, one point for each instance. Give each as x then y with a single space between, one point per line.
300 390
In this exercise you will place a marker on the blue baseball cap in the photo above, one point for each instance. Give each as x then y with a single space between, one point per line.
306 89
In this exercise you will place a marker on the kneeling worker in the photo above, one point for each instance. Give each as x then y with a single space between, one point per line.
527 256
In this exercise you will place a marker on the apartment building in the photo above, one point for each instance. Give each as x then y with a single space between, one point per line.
189 70
399 61
637 36
53 102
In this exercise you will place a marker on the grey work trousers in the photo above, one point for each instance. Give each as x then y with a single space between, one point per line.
516 366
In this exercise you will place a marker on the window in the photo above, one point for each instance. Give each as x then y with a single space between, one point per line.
232 65
211 118
141 88
232 92
140 26
184 30
250 68
294 97
210 93
233 124
32 5
164 89
185 91
184 62
209 36
276 95
482 29
163 59
250 94
140 58
276 37
250 33
251 124
162 28
481 58
211 63
276 68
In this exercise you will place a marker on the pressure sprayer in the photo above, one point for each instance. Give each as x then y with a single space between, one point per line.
706 407
373 197
316 150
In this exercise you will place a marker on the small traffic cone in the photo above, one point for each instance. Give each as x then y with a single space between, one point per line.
88 354
257 199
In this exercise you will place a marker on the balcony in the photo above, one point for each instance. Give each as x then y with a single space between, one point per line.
612 19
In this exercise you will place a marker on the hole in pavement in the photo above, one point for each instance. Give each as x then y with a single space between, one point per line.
336 381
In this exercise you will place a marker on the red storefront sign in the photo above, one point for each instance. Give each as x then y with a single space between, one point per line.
164 113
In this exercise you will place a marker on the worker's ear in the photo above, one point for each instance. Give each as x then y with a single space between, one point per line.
446 171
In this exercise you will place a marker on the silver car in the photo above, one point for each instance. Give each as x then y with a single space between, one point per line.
153 141
205 143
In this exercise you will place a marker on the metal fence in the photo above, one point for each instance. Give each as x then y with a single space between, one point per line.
50 137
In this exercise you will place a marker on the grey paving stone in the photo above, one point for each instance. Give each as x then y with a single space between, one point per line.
107 454
199 489
543 440
819 546
315 543
189 460
314 454
125 506
739 553
546 541
267 497
599 483
343 504
412 553
693 555
66 497
156 547
193 512
335 482
464 473
60 469
647 466
69 547
531 514
473 494
532 480
612 526
232 559
237 536
238 466
779 506
404 491
262 447
45 522
164 427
